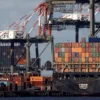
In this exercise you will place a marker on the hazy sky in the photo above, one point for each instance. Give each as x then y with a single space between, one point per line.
12 10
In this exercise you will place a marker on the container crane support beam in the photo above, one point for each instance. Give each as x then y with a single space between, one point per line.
92 18
69 1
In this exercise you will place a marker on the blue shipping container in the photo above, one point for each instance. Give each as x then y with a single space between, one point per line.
94 39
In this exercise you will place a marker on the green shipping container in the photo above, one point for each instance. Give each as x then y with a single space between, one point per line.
79 60
87 59
93 49
62 55
62 49
63 59
58 45
83 45
73 60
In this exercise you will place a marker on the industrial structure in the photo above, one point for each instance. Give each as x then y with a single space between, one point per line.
46 23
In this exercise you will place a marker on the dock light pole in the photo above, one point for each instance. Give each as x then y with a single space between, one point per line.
92 18
27 53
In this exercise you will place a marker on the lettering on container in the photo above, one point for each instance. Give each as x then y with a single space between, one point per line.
83 86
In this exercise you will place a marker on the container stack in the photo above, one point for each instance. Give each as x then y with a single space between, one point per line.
82 57
5 55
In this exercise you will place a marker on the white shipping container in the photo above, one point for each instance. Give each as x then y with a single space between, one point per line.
72 16
12 34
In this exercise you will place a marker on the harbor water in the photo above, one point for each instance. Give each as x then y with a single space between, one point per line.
52 98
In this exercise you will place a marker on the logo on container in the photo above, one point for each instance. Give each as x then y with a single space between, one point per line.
83 86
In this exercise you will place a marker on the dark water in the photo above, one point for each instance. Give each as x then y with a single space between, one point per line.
53 98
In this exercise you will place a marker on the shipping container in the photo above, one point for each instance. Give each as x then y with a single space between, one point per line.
81 53
94 39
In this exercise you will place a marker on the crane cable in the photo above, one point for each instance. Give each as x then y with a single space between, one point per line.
40 54
35 23
19 22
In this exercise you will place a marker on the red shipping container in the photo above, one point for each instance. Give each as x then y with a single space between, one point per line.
69 59
73 54
90 50
73 45
80 45
68 45
83 66
93 66
76 70
90 45
68 50
97 49
72 66
87 49
67 55
76 60
63 45
80 55
83 50
83 39
56 50
97 60
87 45
97 45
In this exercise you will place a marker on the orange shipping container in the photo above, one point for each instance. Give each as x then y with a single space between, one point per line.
56 55
66 59
59 59
36 78
73 50
80 50
90 59
99 59
92 70
22 61
83 60
67 55
83 55
87 54
93 66
66 70
84 70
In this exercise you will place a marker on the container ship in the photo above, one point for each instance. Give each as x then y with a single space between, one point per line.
79 63
75 66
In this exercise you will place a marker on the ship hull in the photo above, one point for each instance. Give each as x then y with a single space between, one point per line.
78 86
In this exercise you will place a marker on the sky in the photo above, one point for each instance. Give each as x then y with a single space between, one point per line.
12 10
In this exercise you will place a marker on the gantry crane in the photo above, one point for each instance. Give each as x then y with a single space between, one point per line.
46 10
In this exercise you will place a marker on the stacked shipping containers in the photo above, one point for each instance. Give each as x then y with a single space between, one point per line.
5 55
78 57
